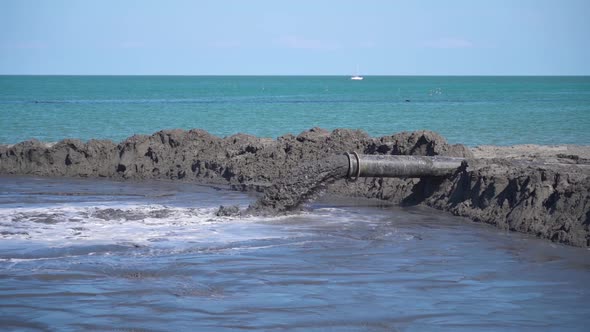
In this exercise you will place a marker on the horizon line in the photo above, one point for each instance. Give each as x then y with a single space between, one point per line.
314 75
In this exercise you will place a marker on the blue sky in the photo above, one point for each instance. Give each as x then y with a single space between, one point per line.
219 37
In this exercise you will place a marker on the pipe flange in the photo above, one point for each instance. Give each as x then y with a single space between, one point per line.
358 167
349 164
349 174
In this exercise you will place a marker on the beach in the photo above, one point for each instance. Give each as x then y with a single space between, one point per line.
294 166
542 191
252 223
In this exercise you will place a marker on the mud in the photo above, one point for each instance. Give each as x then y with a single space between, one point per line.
542 191
303 184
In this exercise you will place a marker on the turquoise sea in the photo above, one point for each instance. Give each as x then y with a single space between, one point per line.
469 110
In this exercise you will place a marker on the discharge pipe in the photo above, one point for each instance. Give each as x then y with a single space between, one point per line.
399 166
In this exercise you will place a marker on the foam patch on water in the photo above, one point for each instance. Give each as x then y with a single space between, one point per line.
82 229
139 224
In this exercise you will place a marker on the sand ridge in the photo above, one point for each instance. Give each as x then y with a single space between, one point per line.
540 190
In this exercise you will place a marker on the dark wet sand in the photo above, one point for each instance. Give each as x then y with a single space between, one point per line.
543 191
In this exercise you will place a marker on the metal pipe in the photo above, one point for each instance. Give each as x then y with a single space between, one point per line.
400 166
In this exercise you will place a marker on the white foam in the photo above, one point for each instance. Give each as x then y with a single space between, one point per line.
63 225
161 228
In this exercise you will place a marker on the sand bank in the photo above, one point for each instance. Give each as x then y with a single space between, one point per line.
540 190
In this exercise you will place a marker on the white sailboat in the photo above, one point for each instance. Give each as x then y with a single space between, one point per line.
356 76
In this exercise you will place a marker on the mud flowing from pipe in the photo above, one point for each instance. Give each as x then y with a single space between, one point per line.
299 186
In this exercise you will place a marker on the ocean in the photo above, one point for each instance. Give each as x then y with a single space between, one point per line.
469 110
101 255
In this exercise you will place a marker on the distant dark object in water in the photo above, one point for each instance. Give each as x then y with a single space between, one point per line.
407 100
48 102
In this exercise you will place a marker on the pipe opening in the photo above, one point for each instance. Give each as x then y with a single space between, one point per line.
353 166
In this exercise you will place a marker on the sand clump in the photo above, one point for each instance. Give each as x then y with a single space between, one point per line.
532 189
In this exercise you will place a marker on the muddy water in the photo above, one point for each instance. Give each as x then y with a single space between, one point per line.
99 255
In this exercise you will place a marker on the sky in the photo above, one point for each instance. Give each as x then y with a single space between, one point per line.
300 37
